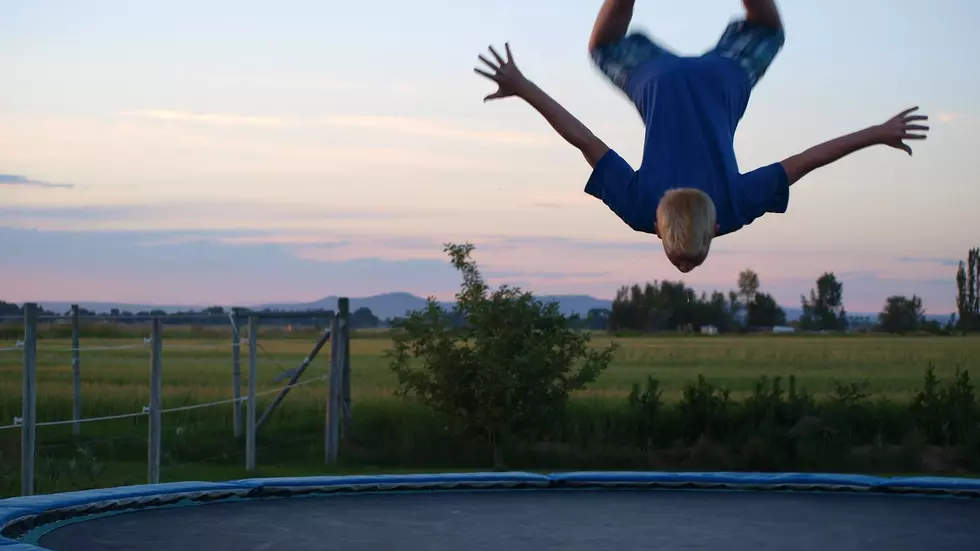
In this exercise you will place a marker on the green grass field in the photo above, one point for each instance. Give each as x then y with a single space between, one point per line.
115 381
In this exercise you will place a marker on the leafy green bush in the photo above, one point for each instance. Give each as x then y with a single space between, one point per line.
507 372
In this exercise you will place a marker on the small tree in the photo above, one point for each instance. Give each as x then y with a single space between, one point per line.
825 310
507 372
901 314
764 311
968 291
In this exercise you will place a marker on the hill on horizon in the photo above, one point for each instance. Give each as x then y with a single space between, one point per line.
385 305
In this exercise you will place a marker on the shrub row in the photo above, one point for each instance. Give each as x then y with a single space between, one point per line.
777 427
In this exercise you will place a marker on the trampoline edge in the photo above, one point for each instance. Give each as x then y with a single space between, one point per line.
20 516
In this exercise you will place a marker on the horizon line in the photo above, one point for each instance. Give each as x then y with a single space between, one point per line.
267 304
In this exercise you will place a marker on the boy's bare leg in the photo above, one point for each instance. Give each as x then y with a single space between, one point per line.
612 22
763 12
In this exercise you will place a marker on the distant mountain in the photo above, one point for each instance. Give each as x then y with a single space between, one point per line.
392 305
385 306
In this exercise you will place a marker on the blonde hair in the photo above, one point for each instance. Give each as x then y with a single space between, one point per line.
686 222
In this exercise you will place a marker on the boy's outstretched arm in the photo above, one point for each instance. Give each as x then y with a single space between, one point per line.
891 133
511 82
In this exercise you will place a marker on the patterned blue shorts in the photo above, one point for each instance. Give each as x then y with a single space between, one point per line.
754 47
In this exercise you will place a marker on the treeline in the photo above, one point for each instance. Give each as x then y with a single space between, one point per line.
672 306
362 318
661 306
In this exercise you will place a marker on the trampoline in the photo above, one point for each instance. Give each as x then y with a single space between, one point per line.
510 511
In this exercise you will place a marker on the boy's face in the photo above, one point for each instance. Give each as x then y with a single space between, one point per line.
685 263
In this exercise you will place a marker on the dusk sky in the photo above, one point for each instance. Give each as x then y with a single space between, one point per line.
240 152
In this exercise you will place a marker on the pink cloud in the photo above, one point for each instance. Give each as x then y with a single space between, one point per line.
415 126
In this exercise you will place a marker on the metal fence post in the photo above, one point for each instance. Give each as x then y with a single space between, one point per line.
28 401
76 372
333 396
236 376
344 309
156 383
253 337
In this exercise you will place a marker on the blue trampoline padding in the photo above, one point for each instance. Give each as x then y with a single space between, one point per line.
932 483
719 478
405 480
17 508
8 545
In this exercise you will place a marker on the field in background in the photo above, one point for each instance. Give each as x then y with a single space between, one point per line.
199 443
197 370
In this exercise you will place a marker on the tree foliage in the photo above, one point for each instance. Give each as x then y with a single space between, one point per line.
506 372
748 285
902 315
764 311
968 292
669 306
824 311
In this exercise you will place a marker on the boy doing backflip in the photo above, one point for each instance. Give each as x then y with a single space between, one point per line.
689 189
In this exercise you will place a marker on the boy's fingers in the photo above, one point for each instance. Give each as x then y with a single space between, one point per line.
907 111
916 127
916 118
486 74
489 64
496 55
510 56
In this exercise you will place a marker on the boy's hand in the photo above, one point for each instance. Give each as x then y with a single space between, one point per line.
510 81
897 129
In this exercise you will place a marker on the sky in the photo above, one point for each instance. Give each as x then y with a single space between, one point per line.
240 152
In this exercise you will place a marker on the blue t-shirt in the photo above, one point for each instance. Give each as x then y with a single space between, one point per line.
691 107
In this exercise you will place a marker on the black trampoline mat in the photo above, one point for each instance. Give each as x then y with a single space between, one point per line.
542 520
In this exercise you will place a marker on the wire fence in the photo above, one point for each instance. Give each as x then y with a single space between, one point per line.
246 414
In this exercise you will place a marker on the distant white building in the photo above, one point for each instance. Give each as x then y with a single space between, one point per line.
783 329
709 330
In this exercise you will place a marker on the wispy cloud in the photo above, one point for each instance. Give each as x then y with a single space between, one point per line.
927 260
17 180
948 117
414 126
531 275
434 128
860 274
208 118
512 242
179 212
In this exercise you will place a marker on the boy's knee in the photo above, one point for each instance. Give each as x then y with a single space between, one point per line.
612 23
